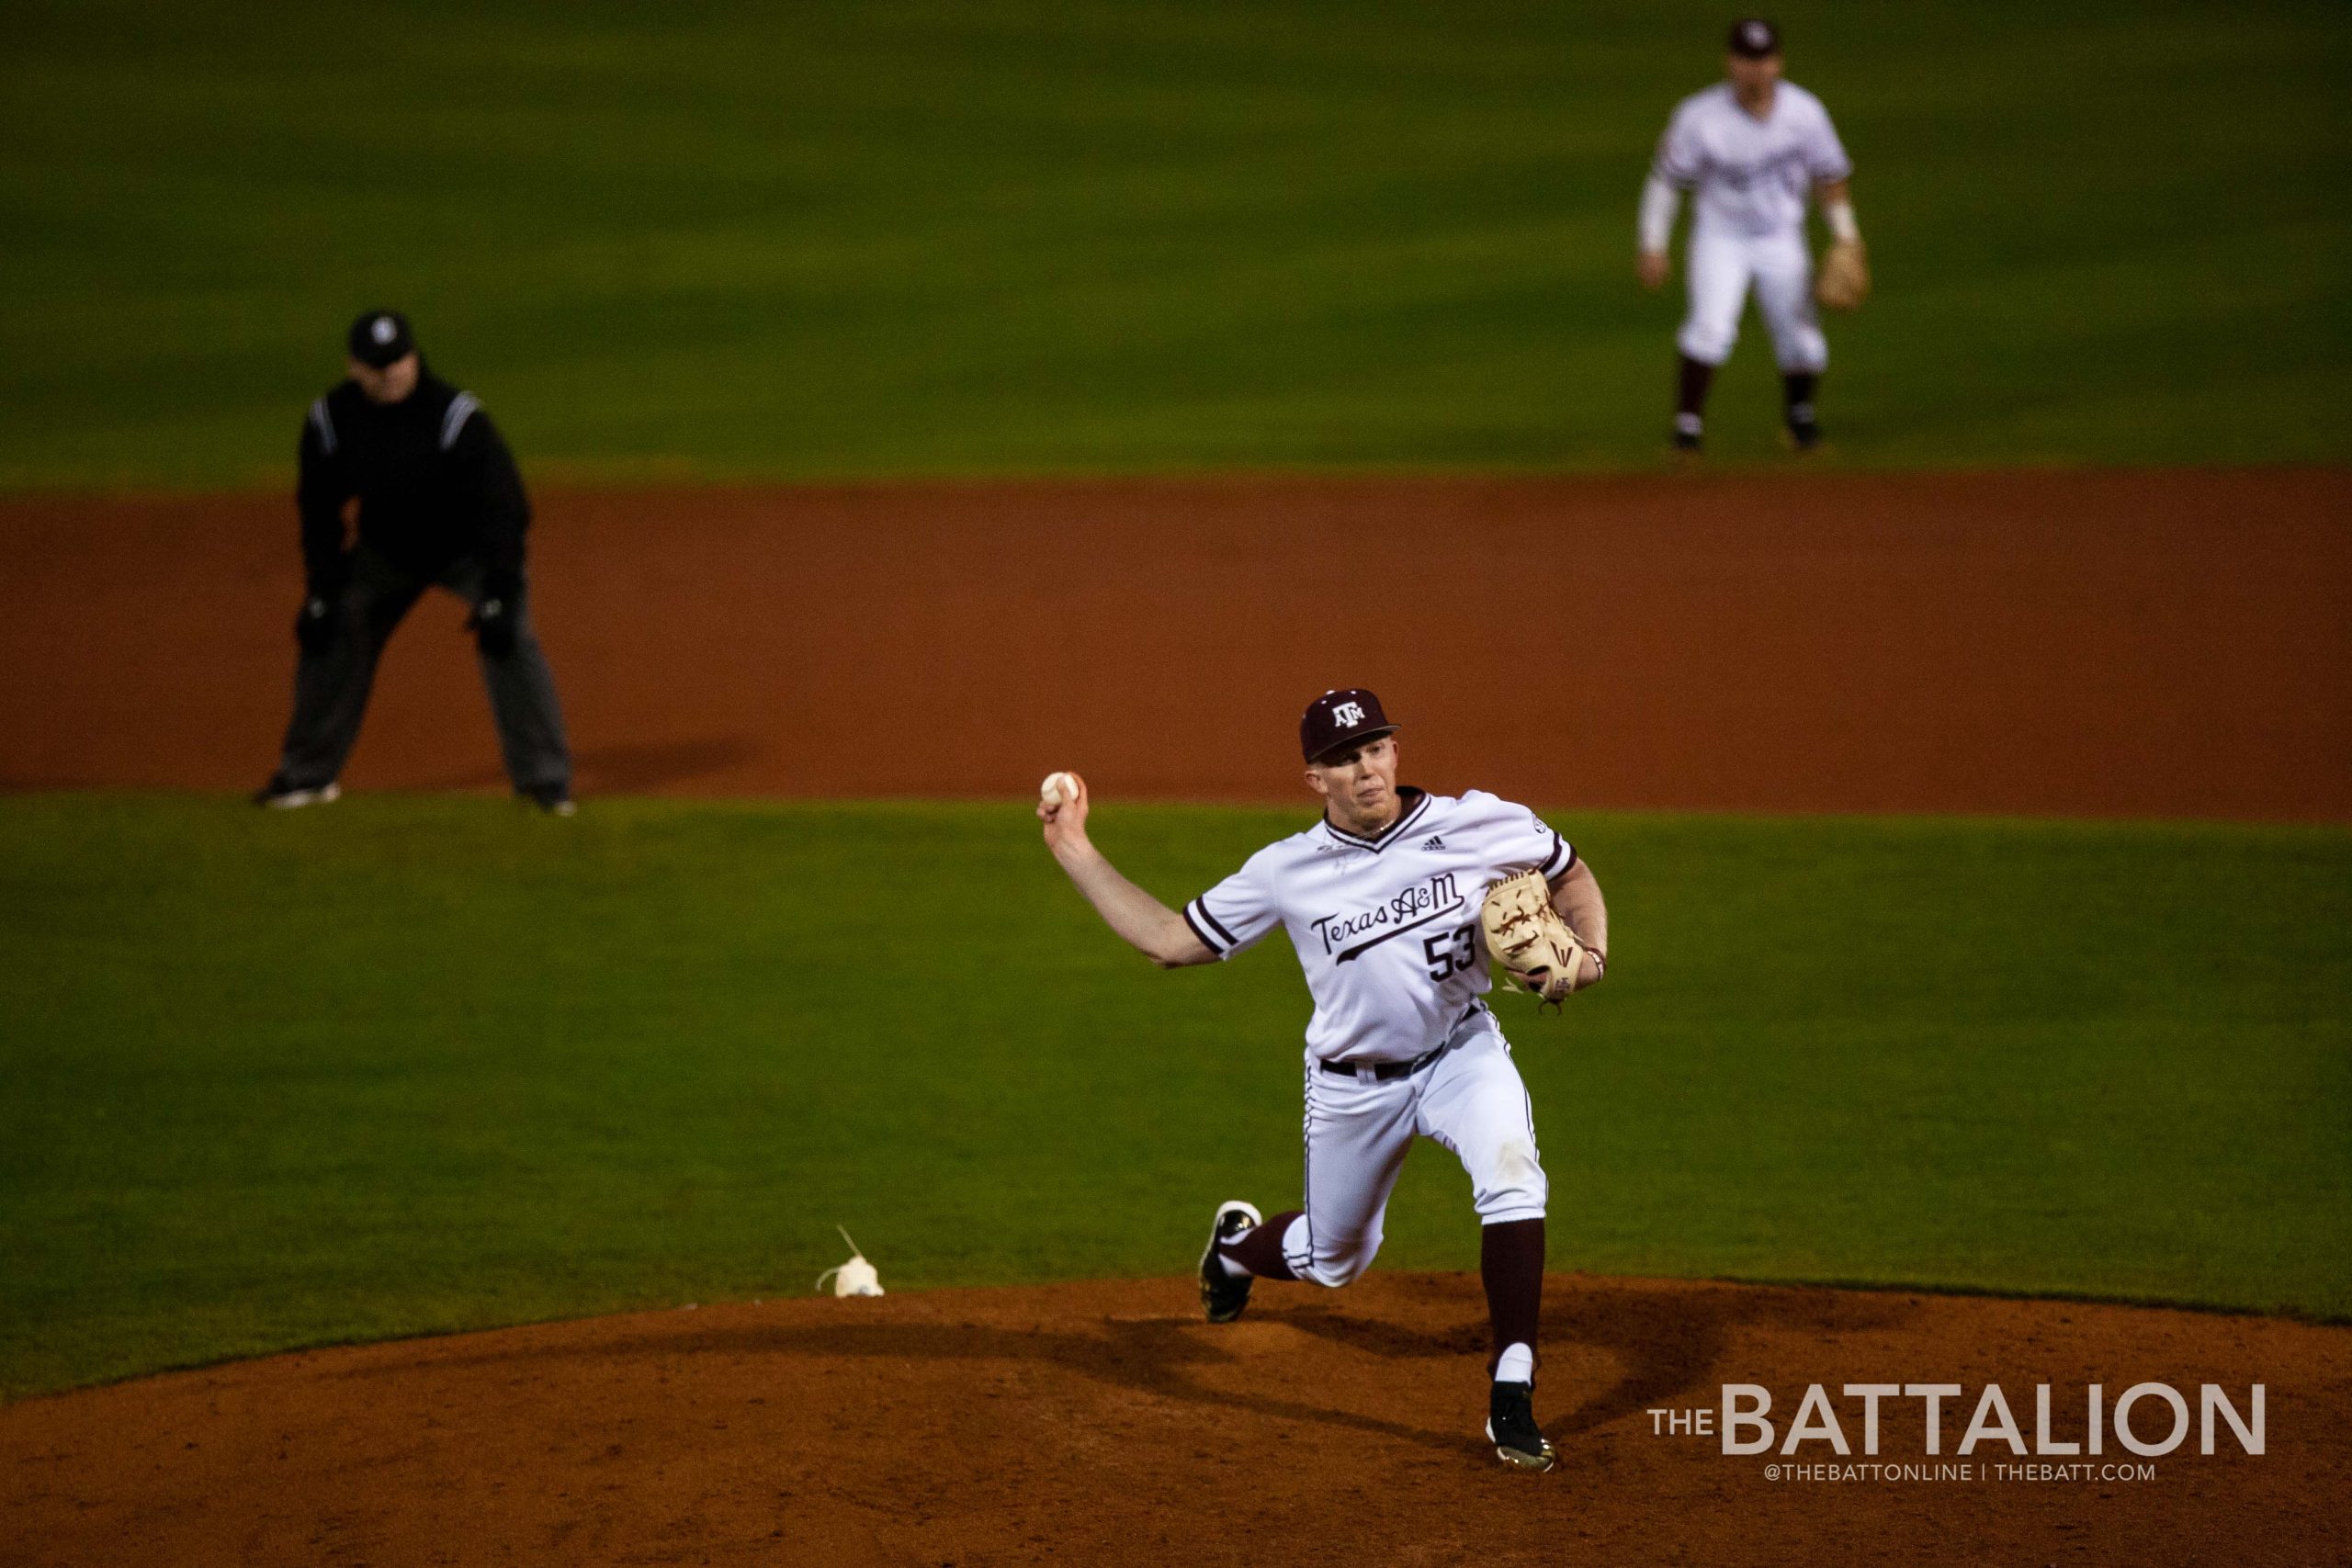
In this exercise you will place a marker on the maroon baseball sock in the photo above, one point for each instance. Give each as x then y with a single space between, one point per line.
1511 1259
1259 1249
1690 386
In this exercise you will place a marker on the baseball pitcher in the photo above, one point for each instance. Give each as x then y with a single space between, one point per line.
1394 903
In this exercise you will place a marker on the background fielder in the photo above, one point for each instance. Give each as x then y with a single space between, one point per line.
1752 147
1381 901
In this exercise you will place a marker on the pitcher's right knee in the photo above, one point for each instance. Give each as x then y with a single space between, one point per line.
1510 1184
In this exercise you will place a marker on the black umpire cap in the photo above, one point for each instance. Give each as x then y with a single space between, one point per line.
1753 38
380 337
1340 718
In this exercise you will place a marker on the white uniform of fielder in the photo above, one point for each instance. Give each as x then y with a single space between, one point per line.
1753 179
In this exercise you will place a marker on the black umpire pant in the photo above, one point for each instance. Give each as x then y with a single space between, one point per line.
331 688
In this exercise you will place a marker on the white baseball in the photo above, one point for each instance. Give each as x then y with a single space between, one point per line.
1057 788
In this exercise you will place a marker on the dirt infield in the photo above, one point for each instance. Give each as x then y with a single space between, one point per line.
1106 1421
2159 643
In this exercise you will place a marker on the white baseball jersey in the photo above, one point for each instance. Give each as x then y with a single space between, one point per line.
1752 176
1387 929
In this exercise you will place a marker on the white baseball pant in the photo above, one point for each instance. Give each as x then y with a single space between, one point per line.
1721 266
1469 1101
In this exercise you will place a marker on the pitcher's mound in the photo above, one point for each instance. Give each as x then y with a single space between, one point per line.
1107 1423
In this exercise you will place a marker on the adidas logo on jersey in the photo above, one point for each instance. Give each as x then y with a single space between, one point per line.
1434 841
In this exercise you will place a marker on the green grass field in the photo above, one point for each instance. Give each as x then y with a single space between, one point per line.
415 1064
705 241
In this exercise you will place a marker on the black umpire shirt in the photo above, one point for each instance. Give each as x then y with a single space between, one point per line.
433 479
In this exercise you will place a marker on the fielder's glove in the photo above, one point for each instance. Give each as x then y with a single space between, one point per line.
1526 937
315 623
493 620
1843 280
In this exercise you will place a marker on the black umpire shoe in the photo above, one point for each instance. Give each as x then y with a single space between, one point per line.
553 799
1804 430
1222 1296
1686 442
279 796
1510 1426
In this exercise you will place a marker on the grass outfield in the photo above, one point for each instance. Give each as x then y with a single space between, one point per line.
417 1064
777 242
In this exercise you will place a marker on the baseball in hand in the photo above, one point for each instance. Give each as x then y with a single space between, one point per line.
1057 788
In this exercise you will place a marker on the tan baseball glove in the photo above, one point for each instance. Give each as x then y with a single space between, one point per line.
1529 940
1843 281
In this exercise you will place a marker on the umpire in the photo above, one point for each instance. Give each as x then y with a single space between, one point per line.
439 501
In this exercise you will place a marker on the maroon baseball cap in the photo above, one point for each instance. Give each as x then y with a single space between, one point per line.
1340 718
1753 38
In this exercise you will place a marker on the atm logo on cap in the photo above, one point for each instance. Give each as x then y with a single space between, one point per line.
1348 714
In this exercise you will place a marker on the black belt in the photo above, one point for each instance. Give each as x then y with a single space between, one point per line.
1387 1072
